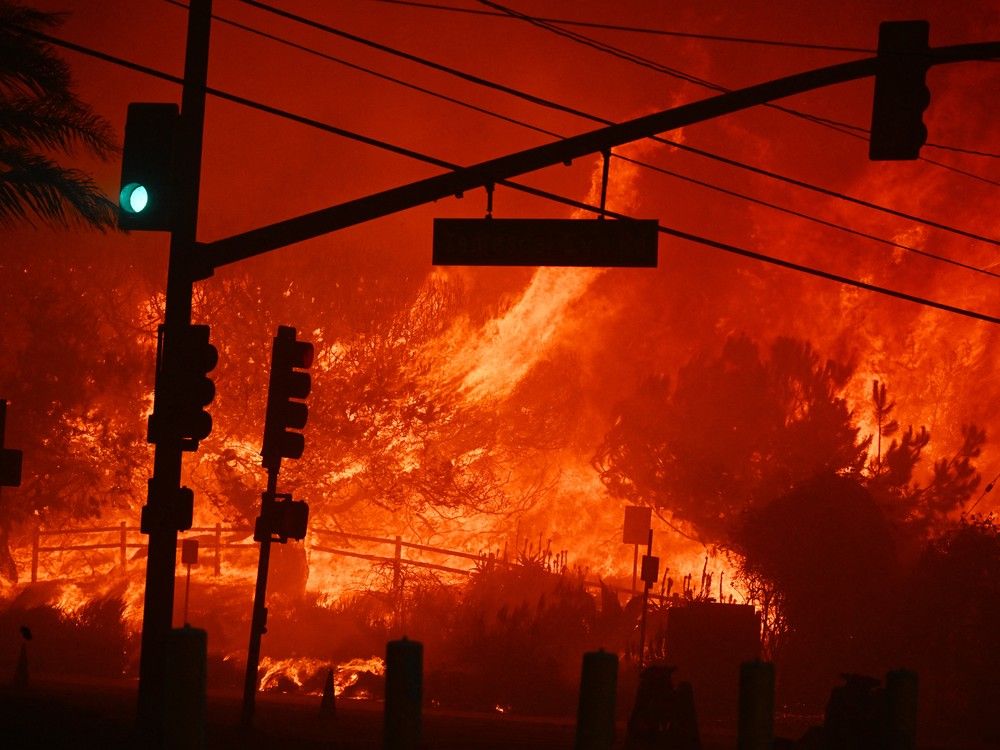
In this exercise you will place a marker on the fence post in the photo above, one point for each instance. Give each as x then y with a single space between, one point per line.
35 540
218 548
124 550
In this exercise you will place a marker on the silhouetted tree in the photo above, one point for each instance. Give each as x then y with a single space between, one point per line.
916 509
949 628
39 114
738 429
826 551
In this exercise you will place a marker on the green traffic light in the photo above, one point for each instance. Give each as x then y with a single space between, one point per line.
134 198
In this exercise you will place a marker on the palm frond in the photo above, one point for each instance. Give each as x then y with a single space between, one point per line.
26 63
55 124
33 185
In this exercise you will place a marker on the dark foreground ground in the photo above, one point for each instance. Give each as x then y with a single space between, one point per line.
77 715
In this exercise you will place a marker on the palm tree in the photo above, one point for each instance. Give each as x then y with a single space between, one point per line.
39 115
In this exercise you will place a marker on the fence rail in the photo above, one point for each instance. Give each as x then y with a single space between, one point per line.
124 545
218 544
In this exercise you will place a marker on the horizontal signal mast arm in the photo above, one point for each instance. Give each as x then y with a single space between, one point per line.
273 236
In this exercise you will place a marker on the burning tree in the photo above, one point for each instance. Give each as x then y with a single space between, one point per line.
82 389
389 429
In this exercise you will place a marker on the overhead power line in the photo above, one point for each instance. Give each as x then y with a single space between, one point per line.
416 155
746 40
849 129
548 103
637 162
637 29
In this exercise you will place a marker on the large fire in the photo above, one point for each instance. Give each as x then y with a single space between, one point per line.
476 435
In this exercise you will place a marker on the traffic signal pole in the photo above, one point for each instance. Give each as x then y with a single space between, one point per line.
288 386
190 261
500 170
258 622
164 486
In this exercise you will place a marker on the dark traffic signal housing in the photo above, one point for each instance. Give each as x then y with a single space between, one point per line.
147 185
901 93
10 458
173 509
186 389
287 390
281 519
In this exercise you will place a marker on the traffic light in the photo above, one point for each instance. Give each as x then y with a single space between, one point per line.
186 390
10 459
147 190
901 93
281 517
286 392
171 509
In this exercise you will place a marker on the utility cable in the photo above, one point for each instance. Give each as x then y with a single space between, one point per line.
854 131
810 217
400 150
541 101
368 71
535 128
638 29
646 62
989 488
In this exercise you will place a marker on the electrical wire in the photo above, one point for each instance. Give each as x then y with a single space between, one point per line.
638 29
646 62
986 490
541 101
393 148
645 165
854 131
368 71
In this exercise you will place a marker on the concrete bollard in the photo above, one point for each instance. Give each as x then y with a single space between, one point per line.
184 697
756 714
21 670
683 733
901 710
404 662
595 716
328 704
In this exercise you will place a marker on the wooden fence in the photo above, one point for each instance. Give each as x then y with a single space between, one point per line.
222 538
122 535
121 539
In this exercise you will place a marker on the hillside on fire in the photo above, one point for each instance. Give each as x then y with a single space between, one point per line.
802 393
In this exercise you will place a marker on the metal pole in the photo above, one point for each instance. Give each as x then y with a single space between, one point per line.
157 614
645 601
635 567
258 624
187 593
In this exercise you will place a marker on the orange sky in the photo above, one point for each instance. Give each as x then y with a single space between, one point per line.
258 169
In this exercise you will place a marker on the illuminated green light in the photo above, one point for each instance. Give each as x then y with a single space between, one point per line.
134 198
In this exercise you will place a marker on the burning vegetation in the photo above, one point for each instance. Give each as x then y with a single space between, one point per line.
812 458
431 467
